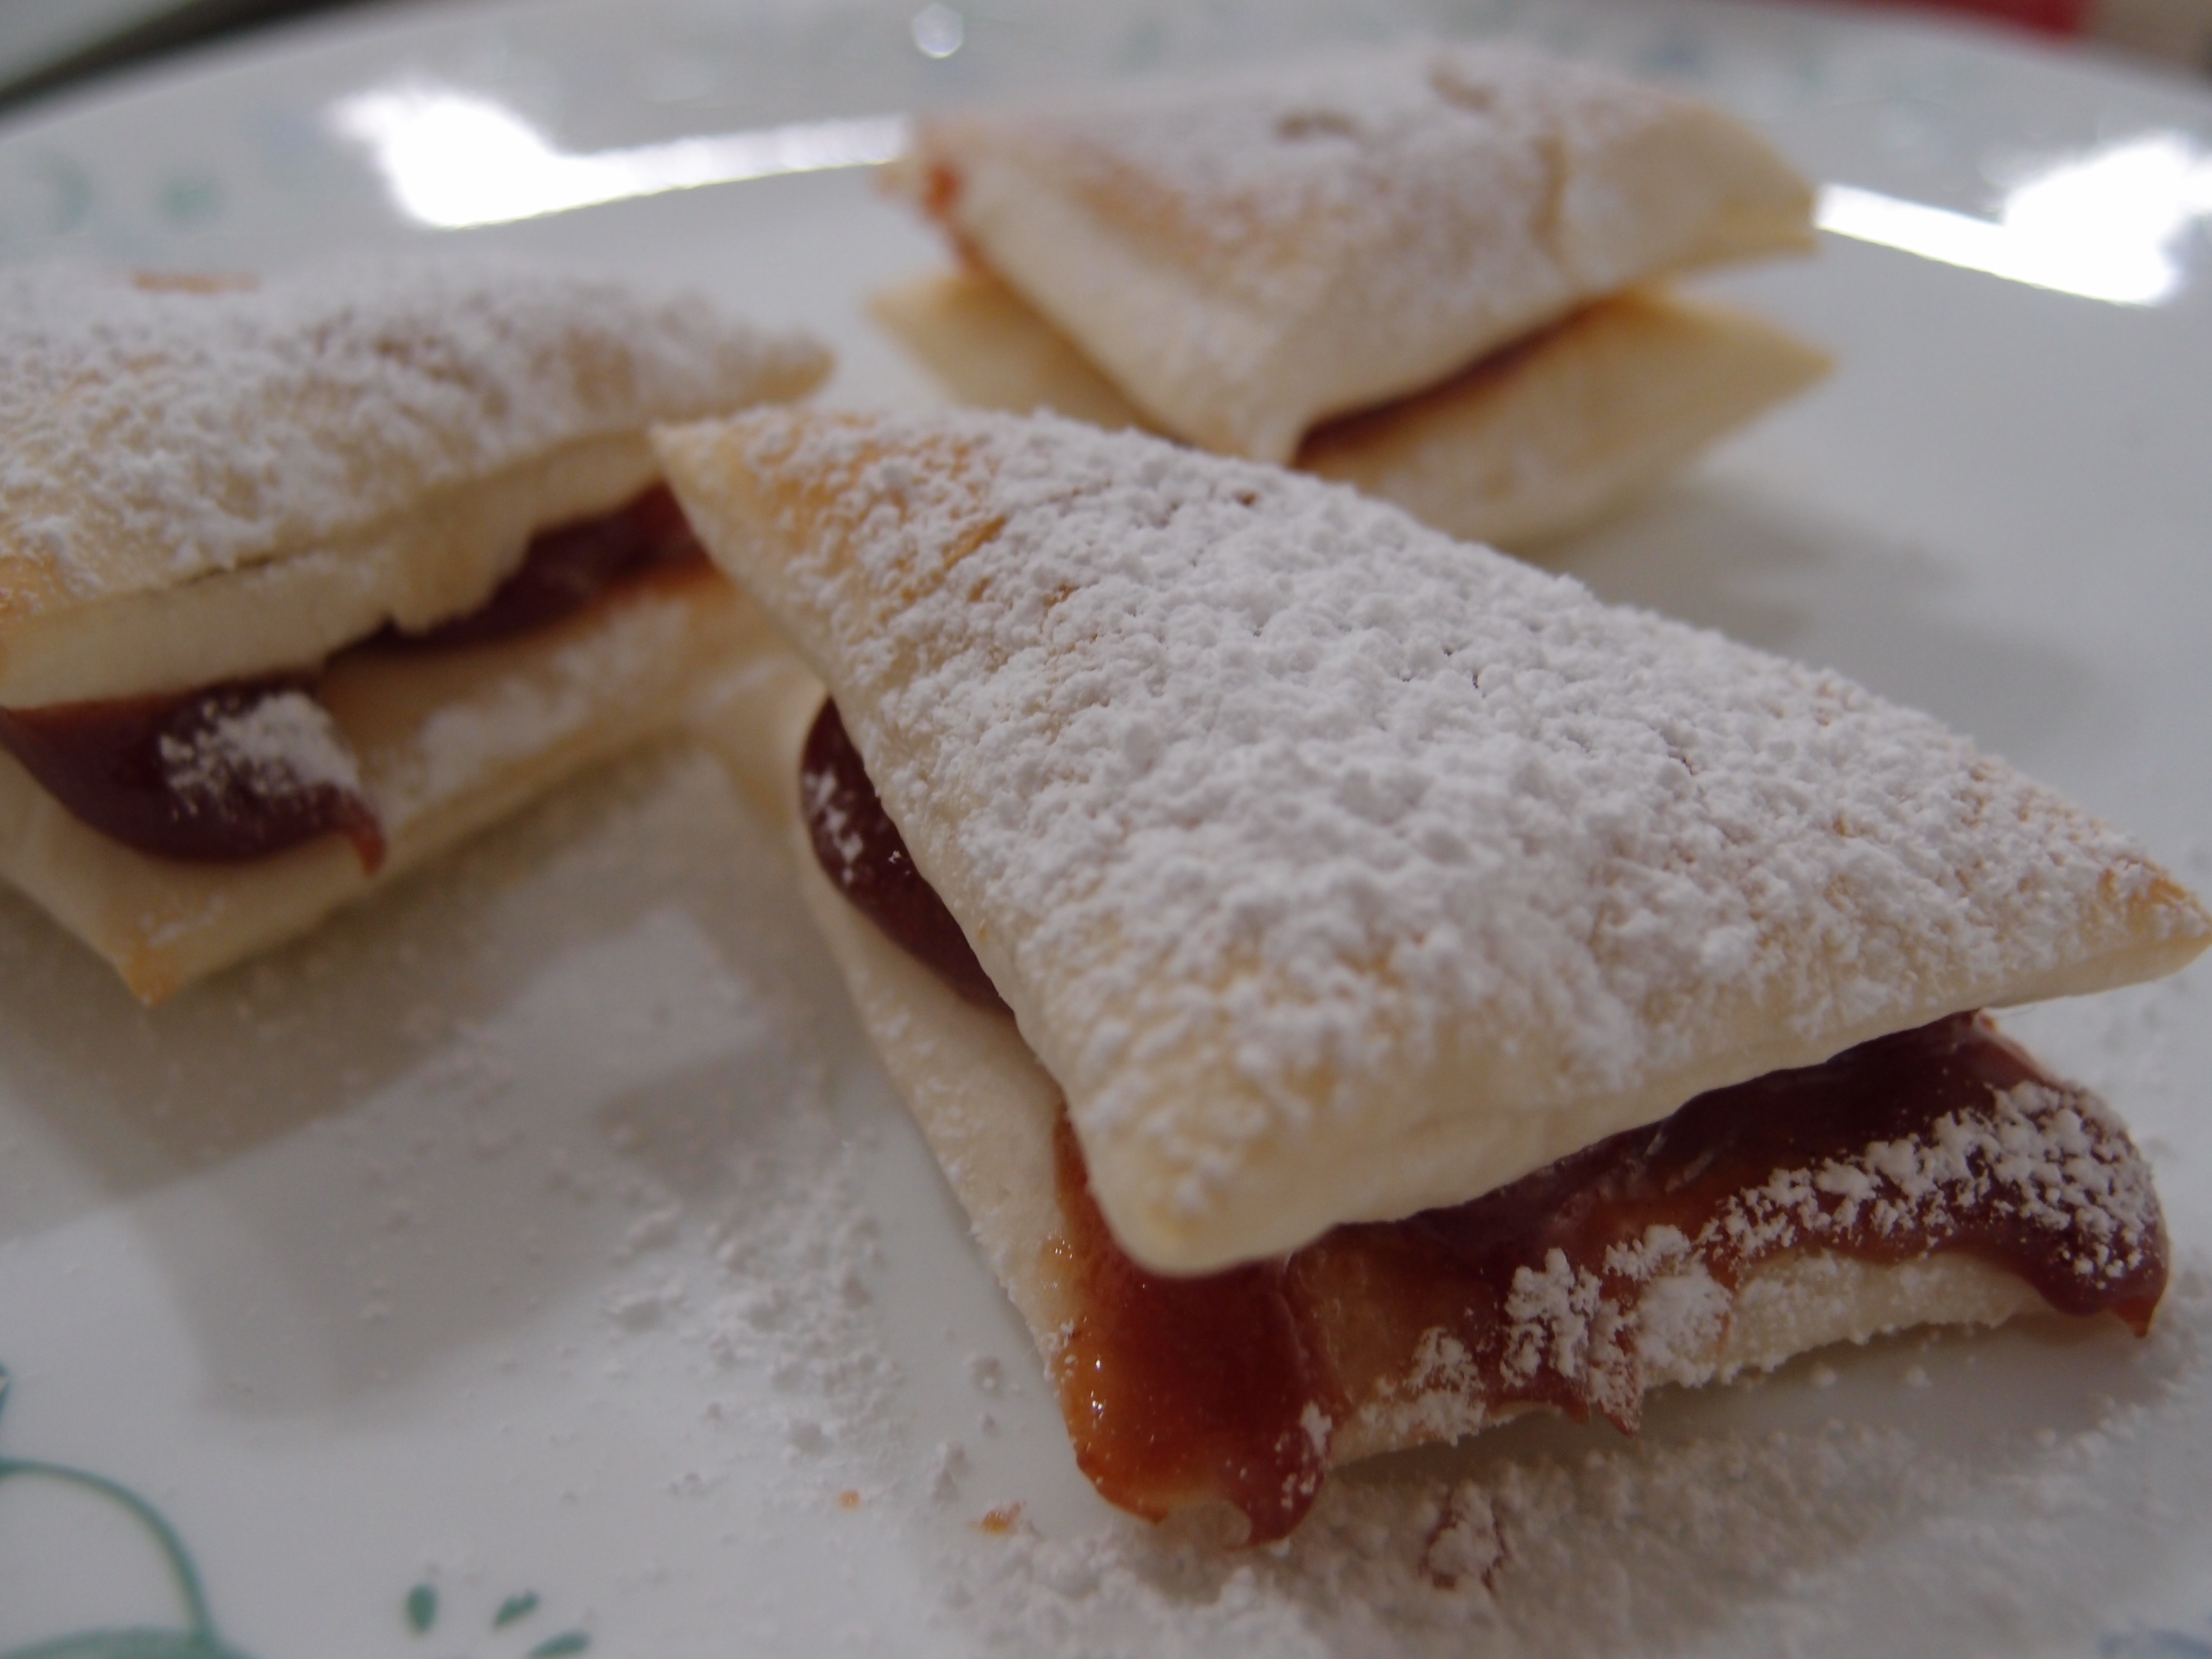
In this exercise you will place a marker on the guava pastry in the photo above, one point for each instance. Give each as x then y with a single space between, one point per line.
302 580
1361 987
1435 273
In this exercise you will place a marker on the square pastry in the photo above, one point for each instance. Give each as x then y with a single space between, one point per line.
303 578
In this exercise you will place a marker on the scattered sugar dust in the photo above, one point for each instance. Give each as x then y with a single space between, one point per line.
793 1303
2023 1491
748 1245
1834 1536
273 748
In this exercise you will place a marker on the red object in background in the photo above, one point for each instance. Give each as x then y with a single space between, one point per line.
2045 16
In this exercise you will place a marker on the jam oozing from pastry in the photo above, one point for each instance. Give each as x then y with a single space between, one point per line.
862 852
1583 1282
223 774
1177 1391
245 770
1571 1287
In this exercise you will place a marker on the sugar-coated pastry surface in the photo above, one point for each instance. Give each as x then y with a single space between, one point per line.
1337 870
209 477
1245 256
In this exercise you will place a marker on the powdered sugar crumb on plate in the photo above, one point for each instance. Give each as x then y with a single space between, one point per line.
1871 1533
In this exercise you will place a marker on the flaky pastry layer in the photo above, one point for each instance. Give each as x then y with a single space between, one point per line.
1337 870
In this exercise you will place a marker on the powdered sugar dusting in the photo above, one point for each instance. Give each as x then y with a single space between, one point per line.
2051 1160
2033 1162
1259 768
156 431
1448 156
607 675
277 746
789 1323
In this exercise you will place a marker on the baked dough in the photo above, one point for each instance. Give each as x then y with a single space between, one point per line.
988 350
1247 257
988 1111
1536 440
215 479
1336 871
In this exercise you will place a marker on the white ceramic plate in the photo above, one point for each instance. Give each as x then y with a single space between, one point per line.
534 1263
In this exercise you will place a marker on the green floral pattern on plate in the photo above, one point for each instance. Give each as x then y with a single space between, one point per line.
196 1637
423 1604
